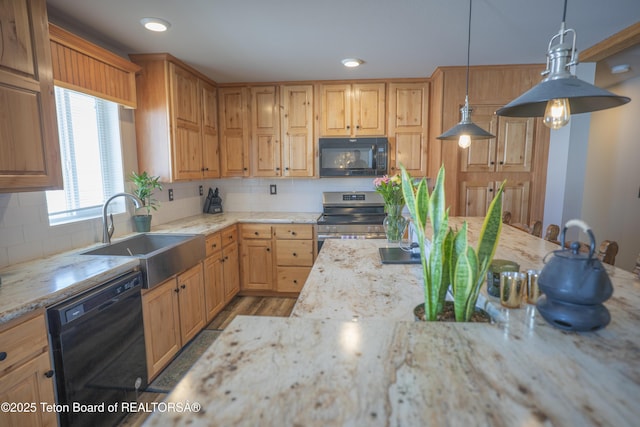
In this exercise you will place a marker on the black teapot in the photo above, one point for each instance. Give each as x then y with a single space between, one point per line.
575 285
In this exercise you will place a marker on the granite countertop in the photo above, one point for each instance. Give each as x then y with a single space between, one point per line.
43 282
350 355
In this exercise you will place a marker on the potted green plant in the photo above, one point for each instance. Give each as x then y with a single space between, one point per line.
145 185
451 260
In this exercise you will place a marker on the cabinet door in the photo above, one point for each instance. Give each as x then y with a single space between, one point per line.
265 131
234 132
185 110
515 144
191 301
213 286
161 318
297 130
257 264
336 110
29 146
231 271
291 279
481 154
210 147
474 197
369 108
516 200
28 384
408 118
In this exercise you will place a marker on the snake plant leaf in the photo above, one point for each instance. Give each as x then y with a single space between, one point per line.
491 228
448 268
464 278
437 203
416 198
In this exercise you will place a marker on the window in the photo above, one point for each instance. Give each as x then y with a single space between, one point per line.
91 157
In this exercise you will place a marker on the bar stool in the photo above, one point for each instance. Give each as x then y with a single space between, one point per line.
551 233
607 251
506 217
636 269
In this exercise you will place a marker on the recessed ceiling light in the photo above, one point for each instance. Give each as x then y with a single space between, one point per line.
619 69
352 62
155 24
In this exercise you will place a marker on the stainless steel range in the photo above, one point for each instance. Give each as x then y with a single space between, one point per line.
351 215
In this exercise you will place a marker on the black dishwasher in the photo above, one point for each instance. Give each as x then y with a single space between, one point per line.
98 352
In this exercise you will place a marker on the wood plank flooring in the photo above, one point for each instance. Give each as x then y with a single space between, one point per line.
240 305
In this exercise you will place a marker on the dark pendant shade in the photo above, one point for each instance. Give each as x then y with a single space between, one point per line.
583 98
474 131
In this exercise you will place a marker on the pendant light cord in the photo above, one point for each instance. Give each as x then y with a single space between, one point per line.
564 14
469 46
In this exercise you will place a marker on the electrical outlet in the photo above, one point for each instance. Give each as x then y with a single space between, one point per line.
201 190
171 194
273 189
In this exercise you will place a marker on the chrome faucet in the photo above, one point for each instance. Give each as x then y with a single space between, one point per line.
107 230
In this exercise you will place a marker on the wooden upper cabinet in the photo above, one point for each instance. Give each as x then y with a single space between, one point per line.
353 109
210 144
29 146
408 126
297 130
265 131
234 131
174 121
510 153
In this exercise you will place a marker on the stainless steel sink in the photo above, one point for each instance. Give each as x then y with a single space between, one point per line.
161 255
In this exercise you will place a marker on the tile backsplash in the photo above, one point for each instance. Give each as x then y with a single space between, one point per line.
25 233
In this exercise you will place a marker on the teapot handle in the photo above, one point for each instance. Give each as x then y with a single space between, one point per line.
584 227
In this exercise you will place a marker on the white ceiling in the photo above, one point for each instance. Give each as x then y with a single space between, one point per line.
290 40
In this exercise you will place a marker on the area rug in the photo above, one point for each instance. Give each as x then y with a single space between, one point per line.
167 380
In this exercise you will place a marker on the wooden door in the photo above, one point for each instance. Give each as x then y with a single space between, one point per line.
231 270
191 301
234 132
28 385
408 118
185 111
161 318
515 144
481 154
369 109
213 285
209 130
29 146
516 200
336 110
265 131
474 197
297 130
257 264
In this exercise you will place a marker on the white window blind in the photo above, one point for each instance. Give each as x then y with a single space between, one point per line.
91 155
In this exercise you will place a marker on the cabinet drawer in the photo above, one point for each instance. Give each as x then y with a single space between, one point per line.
255 231
22 342
229 235
294 252
291 279
213 243
293 231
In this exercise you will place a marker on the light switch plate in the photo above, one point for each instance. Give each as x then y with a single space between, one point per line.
171 194
273 189
201 190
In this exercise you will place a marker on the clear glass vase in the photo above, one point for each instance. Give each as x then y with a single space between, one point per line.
394 223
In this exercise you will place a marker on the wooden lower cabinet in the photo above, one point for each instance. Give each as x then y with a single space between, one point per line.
230 263
173 313
213 285
276 258
221 270
25 373
475 197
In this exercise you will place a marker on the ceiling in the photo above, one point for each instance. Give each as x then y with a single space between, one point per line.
292 40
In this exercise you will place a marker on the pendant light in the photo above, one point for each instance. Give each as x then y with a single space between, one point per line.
466 130
561 93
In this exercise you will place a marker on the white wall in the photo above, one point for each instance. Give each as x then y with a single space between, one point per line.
611 200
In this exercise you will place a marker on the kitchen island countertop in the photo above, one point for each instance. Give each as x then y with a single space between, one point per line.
355 357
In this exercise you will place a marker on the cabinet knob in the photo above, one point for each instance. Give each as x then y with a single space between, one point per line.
357 126
48 374
268 249
176 290
293 233
491 190
244 169
221 259
256 233
3 355
295 281
277 169
215 245
183 286
348 127
287 168
501 162
492 163
295 254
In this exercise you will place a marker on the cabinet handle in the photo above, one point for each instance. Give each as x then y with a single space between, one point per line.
277 169
256 233
226 257
176 290
295 281
295 254
183 286
287 168
492 163
244 169
3 355
221 259
293 233
206 169
357 126
491 190
501 162
215 245
348 127
268 249
48 374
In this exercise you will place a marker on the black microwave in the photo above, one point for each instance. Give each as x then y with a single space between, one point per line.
353 156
